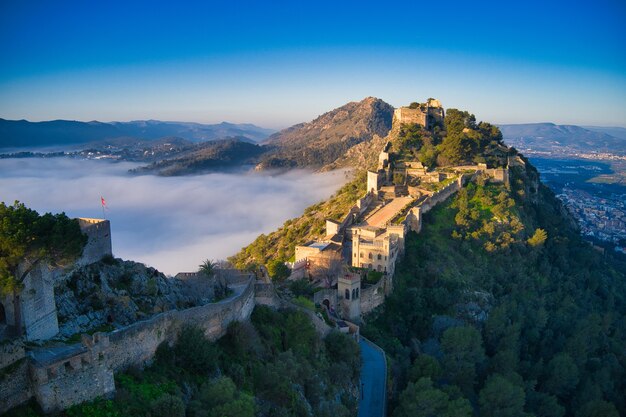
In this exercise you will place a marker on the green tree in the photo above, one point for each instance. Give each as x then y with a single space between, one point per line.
598 408
220 398
422 399
167 405
425 366
563 375
207 268
277 269
194 352
463 355
28 239
500 398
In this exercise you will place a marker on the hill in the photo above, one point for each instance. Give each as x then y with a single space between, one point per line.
549 137
499 307
205 157
22 133
327 138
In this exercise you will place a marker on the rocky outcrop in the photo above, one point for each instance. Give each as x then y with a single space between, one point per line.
115 293
327 138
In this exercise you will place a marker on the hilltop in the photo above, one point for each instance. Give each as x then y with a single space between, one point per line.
497 306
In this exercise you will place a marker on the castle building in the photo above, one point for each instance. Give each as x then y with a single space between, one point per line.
424 114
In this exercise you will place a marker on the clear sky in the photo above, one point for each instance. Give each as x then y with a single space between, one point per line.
275 63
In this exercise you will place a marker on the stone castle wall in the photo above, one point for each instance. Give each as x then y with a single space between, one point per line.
136 344
88 373
15 385
372 297
99 244
68 381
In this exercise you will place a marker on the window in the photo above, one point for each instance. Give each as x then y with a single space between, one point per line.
370 266
355 255
378 268
357 293
347 294
361 255
353 293
380 256
371 256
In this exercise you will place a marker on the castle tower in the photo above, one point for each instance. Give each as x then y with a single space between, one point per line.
349 294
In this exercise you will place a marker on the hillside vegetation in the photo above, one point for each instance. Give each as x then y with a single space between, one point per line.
280 244
501 309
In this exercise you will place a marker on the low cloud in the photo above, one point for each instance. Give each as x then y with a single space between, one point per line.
173 223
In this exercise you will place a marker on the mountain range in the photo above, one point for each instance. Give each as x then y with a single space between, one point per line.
22 133
550 137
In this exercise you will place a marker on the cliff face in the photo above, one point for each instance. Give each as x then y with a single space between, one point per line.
116 293
327 138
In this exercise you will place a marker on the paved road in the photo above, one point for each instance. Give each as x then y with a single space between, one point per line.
388 212
373 378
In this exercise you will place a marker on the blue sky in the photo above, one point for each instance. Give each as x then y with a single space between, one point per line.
279 63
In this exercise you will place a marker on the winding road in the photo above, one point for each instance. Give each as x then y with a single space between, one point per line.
373 380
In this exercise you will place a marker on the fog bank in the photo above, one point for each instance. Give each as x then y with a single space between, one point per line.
172 223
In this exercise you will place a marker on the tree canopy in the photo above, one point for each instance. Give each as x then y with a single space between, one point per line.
28 238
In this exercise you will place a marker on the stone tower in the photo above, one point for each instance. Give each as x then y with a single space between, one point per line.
349 294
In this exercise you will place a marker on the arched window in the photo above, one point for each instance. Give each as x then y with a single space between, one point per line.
371 256
361 255
380 256
353 293
370 266
347 294
357 293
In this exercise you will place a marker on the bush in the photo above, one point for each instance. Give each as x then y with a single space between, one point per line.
167 405
194 352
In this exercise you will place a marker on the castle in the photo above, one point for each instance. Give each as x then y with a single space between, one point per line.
370 237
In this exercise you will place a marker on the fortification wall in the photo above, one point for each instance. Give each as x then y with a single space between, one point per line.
372 297
264 294
11 351
73 380
408 115
15 386
98 232
136 344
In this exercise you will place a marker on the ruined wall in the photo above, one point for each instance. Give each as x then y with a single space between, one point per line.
264 294
373 296
373 182
98 232
407 115
38 306
11 350
136 344
15 387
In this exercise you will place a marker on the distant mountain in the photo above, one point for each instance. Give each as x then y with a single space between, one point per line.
618 132
549 137
22 133
206 157
328 137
